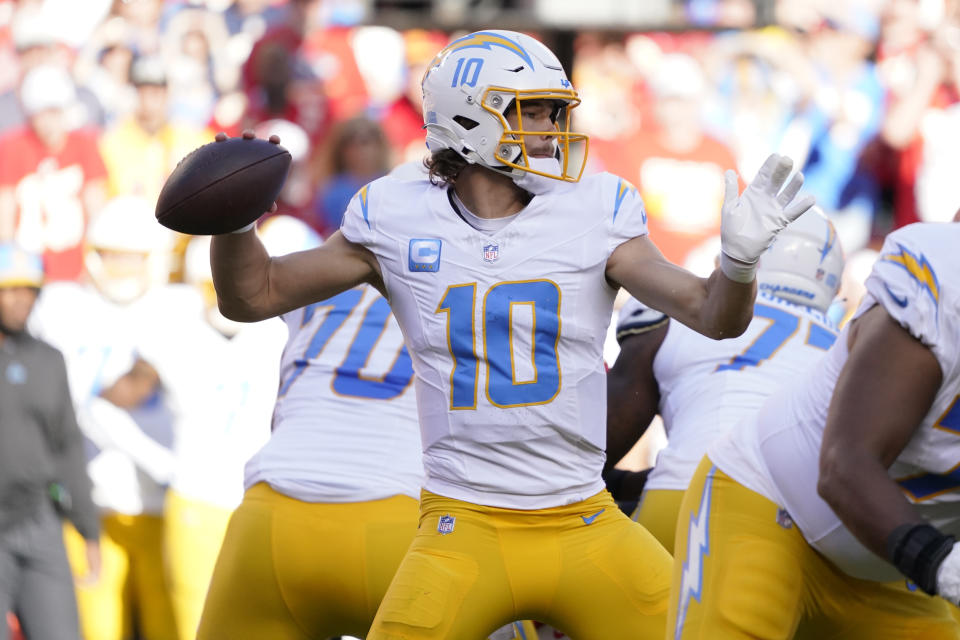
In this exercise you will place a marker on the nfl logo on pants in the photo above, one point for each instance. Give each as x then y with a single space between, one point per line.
491 252
445 525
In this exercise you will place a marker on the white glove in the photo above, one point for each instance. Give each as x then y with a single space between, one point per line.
948 576
749 222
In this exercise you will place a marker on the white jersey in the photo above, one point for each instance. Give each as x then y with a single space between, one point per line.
129 453
707 386
777 454
506 332
345 423
221 391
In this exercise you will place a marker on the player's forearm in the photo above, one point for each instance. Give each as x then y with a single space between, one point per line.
727 307
864 497
240 266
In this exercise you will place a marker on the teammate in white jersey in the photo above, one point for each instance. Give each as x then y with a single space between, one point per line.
873 430
97 326
703 387
502 273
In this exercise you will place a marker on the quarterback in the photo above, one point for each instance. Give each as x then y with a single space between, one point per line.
843 483
703 387
501 271
343 465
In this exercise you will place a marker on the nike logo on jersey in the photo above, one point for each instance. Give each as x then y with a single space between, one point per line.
590 519
901 301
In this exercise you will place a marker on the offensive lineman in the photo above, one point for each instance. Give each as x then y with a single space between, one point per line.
873 430
502 277
703 387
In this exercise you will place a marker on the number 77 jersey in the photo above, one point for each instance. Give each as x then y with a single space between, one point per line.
505 330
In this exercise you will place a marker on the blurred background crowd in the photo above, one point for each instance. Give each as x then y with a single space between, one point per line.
99 100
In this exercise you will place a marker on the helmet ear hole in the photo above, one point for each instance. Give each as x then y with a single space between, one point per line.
465 122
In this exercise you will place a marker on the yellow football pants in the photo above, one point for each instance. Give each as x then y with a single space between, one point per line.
584 568
743 570
290 569
657 512
131 579
194 531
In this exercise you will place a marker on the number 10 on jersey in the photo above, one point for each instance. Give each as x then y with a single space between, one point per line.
497 337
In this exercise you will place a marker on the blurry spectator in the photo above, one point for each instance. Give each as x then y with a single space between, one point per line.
103 65
246 21
607 75
920 65
142 150
52 178
841 117
194 51
677 167
358 154
41 466
36 45
99 325
143 19
402 120
279 81
762 80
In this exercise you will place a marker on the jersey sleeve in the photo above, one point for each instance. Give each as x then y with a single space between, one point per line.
904 281
626 213
635 318
357 225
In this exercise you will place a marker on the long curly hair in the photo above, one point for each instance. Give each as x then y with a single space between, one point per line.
444 165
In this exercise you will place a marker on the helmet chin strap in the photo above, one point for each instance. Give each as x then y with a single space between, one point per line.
535 183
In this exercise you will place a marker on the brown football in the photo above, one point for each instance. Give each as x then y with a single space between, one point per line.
223 186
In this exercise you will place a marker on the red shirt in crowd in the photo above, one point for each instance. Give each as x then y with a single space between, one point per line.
682 192
48 187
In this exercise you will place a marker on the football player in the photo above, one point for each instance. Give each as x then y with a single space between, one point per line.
222 378
342 465
502 271
814 509
129 439
702 387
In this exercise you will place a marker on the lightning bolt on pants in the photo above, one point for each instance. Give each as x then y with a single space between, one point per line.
743 570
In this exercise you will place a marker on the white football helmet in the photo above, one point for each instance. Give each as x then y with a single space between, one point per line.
805 262
285 234
469 85
126 251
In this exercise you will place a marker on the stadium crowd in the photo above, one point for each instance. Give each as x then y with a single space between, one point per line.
100 99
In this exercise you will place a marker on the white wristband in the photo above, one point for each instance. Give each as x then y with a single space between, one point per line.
737 270
948 576
246 228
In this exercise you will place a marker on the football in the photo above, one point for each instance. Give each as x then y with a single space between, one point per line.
223 186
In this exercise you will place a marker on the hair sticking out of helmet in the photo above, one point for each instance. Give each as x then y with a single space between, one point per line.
805 262
468 88
127 252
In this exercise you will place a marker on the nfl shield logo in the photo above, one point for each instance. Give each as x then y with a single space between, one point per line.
491 252
784 519
445 525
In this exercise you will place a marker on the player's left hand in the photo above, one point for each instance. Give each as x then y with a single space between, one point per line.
750 221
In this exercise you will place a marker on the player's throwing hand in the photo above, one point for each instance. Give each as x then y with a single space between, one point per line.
750 221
